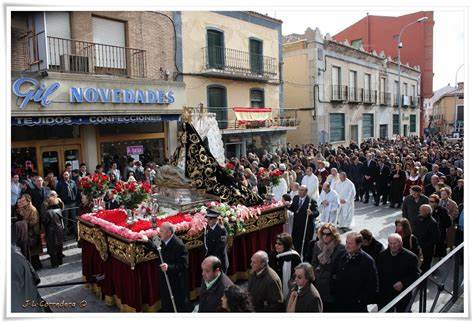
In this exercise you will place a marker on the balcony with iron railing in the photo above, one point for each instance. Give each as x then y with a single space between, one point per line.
414 101
77 56
339 93
384 98
354 95
369 96
236 64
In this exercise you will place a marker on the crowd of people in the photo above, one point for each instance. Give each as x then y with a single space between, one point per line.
308 269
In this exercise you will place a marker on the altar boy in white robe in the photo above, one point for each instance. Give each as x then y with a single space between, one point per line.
346 191
311 181
328 204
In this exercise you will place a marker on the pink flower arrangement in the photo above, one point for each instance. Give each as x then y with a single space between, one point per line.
114 221
198 223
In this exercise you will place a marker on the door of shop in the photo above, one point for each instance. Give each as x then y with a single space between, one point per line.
54 158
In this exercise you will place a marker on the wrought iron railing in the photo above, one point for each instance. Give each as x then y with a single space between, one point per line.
441 284
354 95
414 101
339 93
237 63
77 56
384 98
369 96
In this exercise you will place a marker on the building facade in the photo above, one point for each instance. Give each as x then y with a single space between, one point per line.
231 66
93 87
343 93
380 33
446 115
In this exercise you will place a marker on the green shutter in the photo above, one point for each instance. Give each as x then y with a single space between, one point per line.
412 122
215 49
217 98
367 125
337 127
396 124
256 56
257 98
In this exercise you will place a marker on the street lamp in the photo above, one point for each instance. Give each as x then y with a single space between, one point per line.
400 45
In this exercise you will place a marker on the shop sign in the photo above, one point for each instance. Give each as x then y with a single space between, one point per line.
125 96
87 120
39 93
135 150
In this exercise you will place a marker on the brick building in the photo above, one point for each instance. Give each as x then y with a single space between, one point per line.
106 87
380 33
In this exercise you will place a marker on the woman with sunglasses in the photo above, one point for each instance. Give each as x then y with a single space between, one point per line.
327 250
283 260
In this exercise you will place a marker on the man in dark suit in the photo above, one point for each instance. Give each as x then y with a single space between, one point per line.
215 239
355 174
382 178
426 229
175 264
370 171
355 277
305 211
214 282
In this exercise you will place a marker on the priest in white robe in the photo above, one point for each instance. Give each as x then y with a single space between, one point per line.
346 191
312 183
328 205
333 178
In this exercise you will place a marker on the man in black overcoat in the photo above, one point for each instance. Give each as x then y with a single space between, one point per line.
382 178
369 171
305 212
355 277
175 264
397 269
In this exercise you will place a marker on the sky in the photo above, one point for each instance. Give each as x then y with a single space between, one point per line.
449 31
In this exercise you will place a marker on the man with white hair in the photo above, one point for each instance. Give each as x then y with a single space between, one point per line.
264 285
397 268
347 192
175 264
312 183
328 204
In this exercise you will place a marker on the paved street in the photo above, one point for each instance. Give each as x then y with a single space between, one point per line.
380 220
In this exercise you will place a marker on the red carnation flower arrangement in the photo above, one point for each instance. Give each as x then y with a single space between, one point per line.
275 176
94 186
132 193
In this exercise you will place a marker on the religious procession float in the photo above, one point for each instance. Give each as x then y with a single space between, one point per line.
114 241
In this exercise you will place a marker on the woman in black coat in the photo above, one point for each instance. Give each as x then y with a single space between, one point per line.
397 184
326 252
283 261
